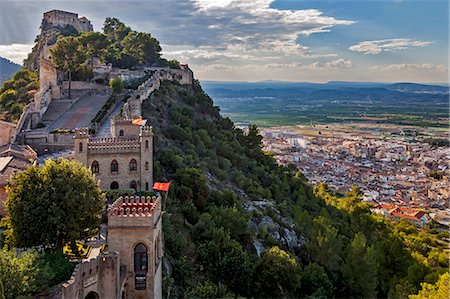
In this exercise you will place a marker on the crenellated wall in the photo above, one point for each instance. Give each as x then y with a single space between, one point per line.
100 275
133 221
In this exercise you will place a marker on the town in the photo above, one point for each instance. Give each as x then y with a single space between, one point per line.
392 172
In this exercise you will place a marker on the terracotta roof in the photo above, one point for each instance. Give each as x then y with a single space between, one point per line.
405 216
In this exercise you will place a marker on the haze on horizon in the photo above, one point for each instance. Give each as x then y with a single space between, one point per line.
284 40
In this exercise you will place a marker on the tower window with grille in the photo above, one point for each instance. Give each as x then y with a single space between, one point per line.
140 266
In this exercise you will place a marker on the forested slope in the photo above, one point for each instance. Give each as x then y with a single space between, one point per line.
237 224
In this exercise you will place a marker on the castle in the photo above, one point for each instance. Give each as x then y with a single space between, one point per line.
48 123
132 265
123 161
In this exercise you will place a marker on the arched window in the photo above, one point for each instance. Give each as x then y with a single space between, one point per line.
146 143
80 147
114 166
140 266
121 133
114 185
92 295
95 167
133 185
133 165
146 186
146 165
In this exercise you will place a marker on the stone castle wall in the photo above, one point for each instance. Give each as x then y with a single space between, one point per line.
100 276
63 18
134 220
121 149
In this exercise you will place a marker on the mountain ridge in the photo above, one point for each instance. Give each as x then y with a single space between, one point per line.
7 69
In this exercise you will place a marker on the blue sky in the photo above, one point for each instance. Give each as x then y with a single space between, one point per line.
230 40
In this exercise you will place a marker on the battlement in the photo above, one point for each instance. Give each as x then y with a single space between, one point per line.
63 18
130 210
91 275
146 131
82 133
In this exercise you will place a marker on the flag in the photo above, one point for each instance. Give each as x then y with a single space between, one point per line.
137 121
161 186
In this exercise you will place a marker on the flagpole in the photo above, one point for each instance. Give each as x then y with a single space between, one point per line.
167 195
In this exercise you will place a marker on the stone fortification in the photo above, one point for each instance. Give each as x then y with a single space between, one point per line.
100 276
124 161
135 231
132 267
59 18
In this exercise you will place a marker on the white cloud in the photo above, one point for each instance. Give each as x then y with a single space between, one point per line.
250 25
378 46
415 67
15 52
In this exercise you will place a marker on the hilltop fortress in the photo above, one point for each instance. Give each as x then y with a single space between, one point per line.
49 122
108 135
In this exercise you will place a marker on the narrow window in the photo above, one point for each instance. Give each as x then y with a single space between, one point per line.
80 147
146 144
133 165
146 166
95 167
146 186
121 133
133 185
114 166
140 266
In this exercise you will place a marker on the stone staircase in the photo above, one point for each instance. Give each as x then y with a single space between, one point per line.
56 108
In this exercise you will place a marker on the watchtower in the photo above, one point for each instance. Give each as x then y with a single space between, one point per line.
135 232
81 140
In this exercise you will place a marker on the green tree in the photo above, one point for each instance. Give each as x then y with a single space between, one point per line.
191 186
116 85
253 138
22 275
142 46
315 282
68 56
94 44
360 269
439 290
114 29
226 261
52 205
278 274
325 245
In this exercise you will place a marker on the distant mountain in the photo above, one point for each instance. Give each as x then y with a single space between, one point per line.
7 69
418 88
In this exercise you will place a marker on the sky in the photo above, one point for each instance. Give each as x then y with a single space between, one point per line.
257 40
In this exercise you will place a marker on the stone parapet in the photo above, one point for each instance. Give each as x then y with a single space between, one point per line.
132 211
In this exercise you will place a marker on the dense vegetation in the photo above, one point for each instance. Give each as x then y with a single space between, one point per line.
230 196
16 93
31 272
52 205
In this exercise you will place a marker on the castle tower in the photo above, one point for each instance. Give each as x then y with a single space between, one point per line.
135 232
81 139
146 139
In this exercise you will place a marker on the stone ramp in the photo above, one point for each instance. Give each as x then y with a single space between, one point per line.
81 113
55 110
105 129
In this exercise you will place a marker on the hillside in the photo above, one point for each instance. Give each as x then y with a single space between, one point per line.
7 69
237 224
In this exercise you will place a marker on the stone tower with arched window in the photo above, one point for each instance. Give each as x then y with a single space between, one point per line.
123 161
135 232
